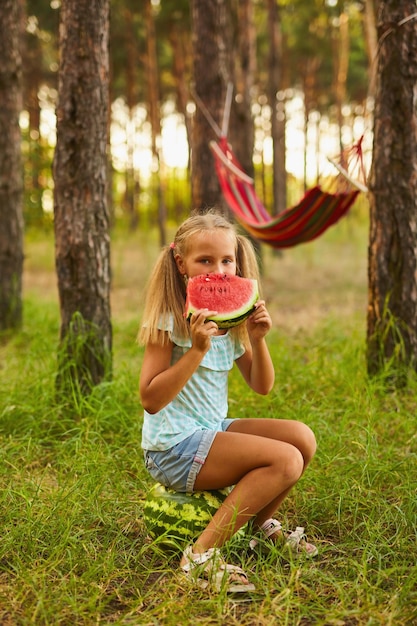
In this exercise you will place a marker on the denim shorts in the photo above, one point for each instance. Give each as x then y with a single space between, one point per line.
178 467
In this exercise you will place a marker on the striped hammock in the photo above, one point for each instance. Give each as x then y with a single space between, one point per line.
315 213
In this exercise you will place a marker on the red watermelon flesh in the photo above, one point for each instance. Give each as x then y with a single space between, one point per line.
233 297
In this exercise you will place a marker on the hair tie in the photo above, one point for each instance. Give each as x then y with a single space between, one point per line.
172 245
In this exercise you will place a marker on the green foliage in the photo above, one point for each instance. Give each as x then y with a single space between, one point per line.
389 349
308 28
84 360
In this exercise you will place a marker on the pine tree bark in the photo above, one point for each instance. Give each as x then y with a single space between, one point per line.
213 69
392 303
11 182
132 184
371 42
180 43
278 120
33 78
82 243
341 61
155 119
243 136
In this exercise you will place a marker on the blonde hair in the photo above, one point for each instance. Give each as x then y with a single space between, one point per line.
166 289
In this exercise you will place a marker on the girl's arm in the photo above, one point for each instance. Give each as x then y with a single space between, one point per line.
256 364
160 381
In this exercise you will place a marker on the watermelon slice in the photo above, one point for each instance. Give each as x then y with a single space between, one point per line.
233 297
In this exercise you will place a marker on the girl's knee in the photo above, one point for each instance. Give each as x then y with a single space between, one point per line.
291 464
311 443
307 442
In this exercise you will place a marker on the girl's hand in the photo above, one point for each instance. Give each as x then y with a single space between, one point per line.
259 323
255 363
202 330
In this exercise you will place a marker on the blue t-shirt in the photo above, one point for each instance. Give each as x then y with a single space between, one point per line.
203 401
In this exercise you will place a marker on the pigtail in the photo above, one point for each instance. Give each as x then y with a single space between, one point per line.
247 263
247 267
165 300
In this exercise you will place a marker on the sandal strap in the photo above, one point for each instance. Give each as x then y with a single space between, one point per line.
296 536
294 539
223 576
268 528
232 569
197 559
216 570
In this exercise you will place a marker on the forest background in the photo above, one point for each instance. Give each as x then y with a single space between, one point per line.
74 546
324 97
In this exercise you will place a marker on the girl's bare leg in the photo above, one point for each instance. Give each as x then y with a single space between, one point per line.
263 459
261 471
293 432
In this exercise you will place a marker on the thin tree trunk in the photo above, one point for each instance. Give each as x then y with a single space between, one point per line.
32 80
179 42
341 56
371 42
131 195
154 116
309 81
243 134
11 183
277 109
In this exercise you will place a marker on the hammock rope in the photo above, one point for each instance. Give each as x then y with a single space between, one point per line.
303 222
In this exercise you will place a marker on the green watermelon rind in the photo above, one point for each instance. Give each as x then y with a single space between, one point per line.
225 323
172 517
231 318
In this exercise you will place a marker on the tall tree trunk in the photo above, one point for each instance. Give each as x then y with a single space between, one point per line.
371 42
310 95
132 186
279 176
341 58
180 44
213 70
392 305
11 183
82 245
32 81
154 116
244 133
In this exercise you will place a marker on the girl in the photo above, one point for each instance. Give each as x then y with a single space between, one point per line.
189 444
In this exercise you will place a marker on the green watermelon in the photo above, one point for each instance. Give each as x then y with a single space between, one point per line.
233 297
177 518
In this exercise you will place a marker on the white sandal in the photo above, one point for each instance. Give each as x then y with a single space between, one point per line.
209 568
296 540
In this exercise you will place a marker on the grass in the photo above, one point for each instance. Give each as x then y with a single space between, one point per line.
74 548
